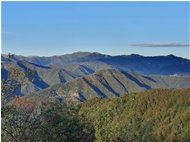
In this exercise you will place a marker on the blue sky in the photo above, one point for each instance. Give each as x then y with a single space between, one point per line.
115 28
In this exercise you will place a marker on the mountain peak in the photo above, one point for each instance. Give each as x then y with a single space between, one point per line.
171 55
85 53
80 52
135 55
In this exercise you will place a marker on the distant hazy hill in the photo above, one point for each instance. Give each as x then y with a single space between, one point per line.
111 82
146 65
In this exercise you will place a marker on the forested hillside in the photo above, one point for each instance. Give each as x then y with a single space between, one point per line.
150 116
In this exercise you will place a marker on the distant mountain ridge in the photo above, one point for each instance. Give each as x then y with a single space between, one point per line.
145 65
111 82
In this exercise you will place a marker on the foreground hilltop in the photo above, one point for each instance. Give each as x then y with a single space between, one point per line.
156 115
149 116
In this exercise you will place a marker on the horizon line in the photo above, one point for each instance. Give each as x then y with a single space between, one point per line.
95 53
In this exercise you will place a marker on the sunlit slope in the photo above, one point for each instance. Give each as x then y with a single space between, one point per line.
148 116
112 82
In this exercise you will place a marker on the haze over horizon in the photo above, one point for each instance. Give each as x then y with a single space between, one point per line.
112 28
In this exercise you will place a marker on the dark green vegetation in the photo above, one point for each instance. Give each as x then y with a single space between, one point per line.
25 121
153 115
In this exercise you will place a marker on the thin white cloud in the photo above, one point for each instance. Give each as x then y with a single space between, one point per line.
161 45
10 33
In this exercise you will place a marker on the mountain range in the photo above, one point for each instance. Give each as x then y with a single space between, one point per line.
112 82
145 65
83 75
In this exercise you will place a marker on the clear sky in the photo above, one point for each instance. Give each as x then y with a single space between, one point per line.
115 28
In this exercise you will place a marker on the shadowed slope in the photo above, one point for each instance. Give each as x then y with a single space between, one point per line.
111 82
